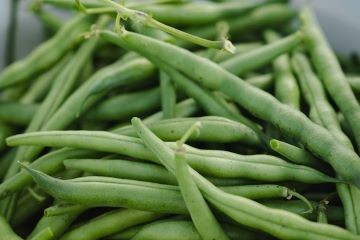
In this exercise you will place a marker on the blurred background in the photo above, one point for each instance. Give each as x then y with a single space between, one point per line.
339 19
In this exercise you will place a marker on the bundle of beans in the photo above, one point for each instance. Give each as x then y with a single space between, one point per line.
142 120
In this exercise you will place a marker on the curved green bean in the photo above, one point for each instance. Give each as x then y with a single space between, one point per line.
173 129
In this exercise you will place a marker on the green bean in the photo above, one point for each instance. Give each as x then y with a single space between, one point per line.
168 95
50 163
295 154
254 59
6 232
129 194
354 82
263 82
259 103
127 233
122 169
286 88
199 12
316 97
330 71
33 206
183 109
141 103
37 91
184 230
270 15
252 167
136 170
58 224
45 234
200 213
17 113
110 223
173 129
278 223
139 195
46 55
220 55
335 213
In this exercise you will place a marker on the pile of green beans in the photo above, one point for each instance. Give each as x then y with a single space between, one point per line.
179 120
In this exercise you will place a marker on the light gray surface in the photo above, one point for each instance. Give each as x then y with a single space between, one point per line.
339 19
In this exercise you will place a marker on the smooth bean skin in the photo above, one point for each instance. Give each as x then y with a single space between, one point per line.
58 224
137 171
200 213
47 54
132 104
259 103
6 232
335 213
198 13
263 82
17 113
174 129
123 169
38 89
270 15
254 59
286 87
215 166
185 230
168 95
330 71
110 223
316 97
130 194
221 55
50 163
295 154
45 234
